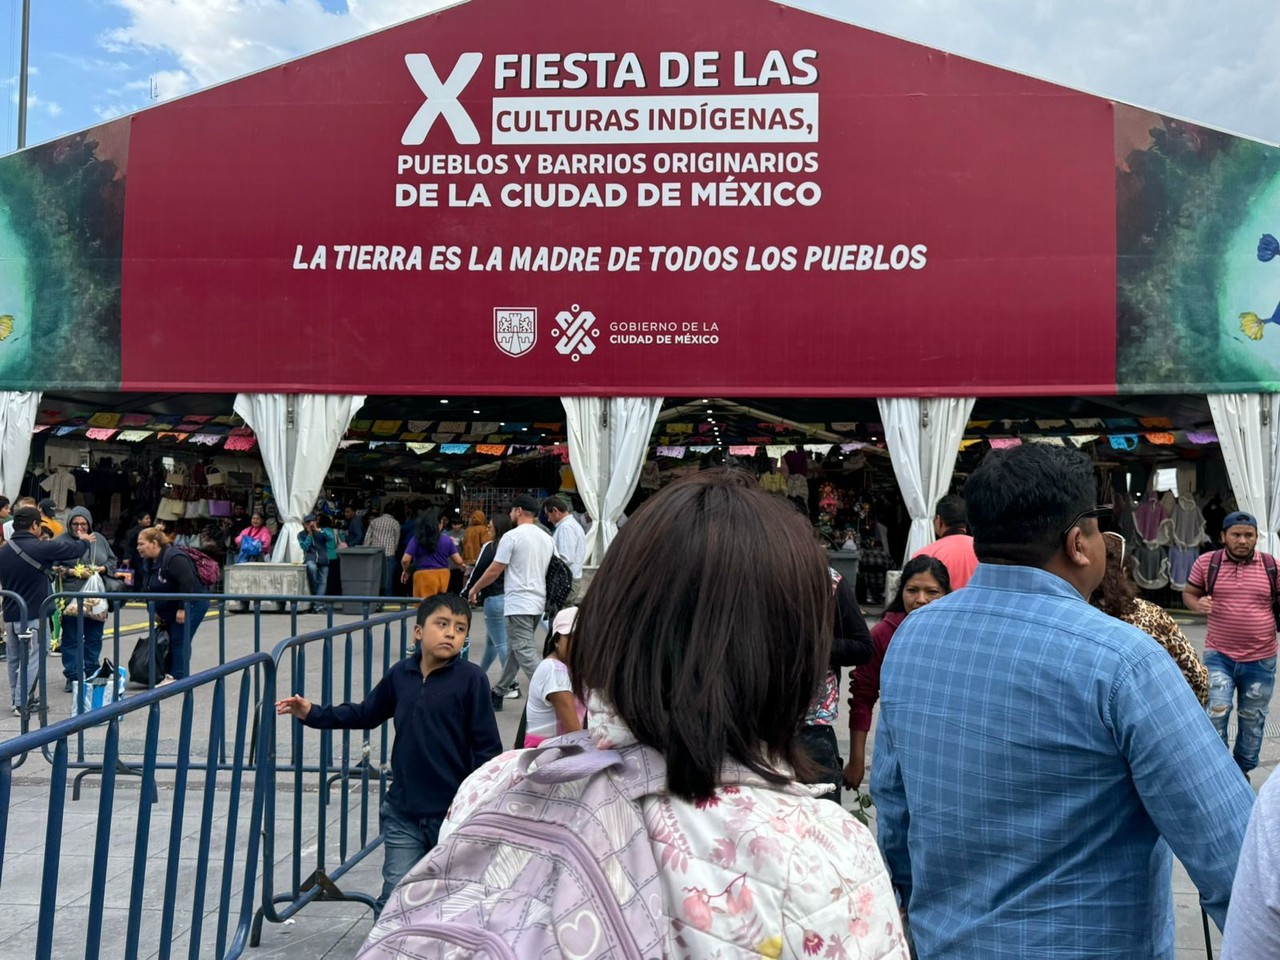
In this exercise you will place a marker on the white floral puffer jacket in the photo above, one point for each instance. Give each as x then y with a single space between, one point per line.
757 871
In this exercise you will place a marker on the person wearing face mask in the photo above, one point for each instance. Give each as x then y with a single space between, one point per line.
1037 763
924 579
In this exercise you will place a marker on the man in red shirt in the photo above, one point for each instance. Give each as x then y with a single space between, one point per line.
954 546
1232 586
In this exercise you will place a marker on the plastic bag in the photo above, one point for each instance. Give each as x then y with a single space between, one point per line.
95 691
95 608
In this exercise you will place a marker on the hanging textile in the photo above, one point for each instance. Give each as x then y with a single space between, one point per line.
923 437
1246 424
17 424
298 435
608 440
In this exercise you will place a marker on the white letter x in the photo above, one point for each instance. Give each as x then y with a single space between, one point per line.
441 99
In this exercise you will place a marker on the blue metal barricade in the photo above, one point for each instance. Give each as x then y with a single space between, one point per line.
192 869
127 627
343 829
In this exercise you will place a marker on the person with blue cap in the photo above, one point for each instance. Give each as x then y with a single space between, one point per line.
1236 588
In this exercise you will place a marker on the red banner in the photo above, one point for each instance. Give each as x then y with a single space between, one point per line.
623 199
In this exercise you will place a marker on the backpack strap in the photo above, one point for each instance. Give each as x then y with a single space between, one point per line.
28 558
1269 562
639 771
1215 564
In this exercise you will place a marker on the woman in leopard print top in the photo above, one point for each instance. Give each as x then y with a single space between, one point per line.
1118 598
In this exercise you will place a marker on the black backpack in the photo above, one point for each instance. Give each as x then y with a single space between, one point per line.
559 584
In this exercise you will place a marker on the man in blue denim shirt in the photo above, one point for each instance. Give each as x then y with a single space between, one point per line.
1036 760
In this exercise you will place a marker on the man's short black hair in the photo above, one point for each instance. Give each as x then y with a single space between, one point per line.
24 518
452 602
953 512
1021 500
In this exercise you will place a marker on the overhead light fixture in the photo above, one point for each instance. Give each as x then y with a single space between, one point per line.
442 400
475 411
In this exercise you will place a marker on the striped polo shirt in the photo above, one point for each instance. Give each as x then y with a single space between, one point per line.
1241 625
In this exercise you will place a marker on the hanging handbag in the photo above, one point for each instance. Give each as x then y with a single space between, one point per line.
170 509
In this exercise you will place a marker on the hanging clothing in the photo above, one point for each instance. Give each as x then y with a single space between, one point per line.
1181 560
1186 526
1151 566
1149 520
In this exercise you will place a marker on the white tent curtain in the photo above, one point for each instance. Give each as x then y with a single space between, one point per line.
608 440
298 435
923 437
1247 425
17 421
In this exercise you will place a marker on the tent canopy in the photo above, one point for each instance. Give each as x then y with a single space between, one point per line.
756 201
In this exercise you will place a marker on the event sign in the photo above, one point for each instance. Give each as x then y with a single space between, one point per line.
633 198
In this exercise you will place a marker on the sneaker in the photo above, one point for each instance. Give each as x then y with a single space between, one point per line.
512 694
497 703
166 681
67 687
17 711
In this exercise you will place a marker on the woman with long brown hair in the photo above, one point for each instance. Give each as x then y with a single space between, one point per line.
703 639
1118 597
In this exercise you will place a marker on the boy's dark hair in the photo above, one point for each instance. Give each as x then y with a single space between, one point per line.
679 633
951 511
1021 500
4 502
916 565
450 601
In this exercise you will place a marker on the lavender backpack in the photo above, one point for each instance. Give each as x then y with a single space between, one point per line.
558 865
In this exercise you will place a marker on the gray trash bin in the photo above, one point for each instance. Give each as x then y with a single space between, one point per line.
362 573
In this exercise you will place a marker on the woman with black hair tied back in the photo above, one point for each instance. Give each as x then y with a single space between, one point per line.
428 554
924 579
703 639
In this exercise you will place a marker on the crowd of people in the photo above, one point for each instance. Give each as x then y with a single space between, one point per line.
1047 741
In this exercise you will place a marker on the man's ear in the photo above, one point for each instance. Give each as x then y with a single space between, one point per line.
1075 549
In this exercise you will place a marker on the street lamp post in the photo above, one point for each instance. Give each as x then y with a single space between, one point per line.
22 75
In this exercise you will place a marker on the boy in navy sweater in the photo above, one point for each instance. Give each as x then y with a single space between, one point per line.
445 729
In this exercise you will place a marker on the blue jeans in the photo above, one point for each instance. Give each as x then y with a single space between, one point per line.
1253 681
180 634
80 653
390 577
405 840
495 630
318 578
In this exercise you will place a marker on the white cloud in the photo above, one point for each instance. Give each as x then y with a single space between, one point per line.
36 105
215 40
1208 62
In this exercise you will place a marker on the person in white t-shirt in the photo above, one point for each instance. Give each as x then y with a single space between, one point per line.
523 556
552 709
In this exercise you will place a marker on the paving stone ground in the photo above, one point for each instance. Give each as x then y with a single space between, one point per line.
322 929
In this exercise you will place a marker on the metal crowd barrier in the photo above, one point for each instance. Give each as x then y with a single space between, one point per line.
119 640
328 834
361 767
228 919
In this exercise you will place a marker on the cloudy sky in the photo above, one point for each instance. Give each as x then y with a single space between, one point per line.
1216 63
